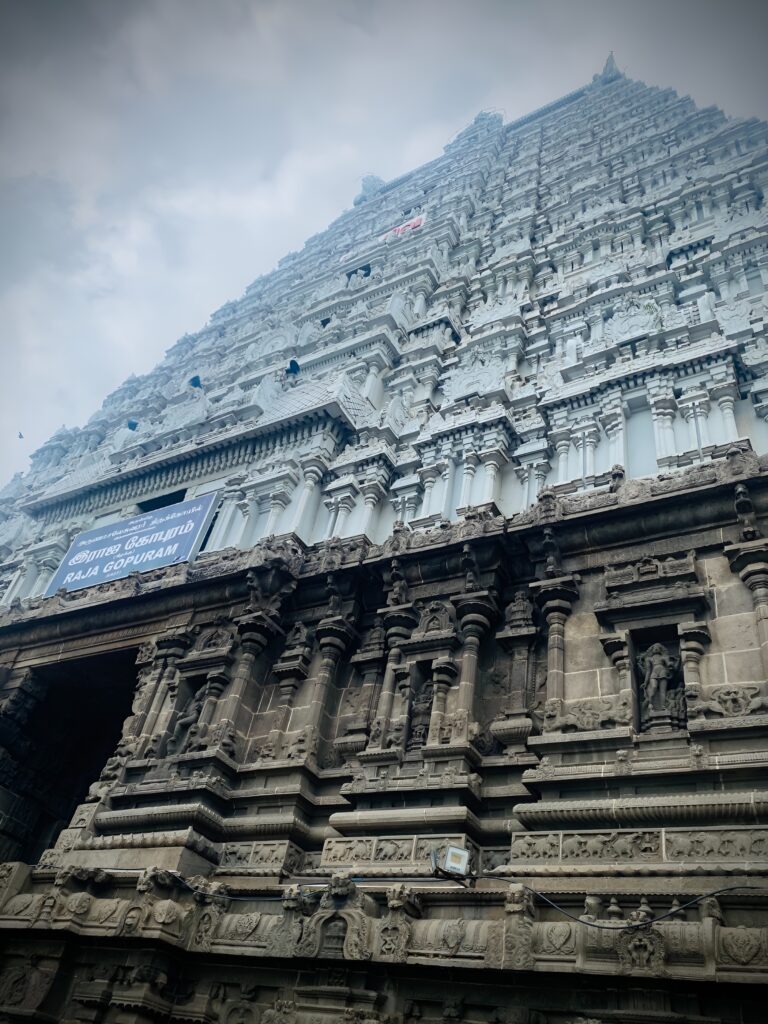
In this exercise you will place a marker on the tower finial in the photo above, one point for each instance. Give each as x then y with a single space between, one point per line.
610 71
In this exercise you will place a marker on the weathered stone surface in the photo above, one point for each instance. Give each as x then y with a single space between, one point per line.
488 572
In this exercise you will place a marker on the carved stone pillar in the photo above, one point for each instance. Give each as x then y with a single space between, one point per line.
492 463
345 505
429 475
372 384
562 445
695 409
399 622
291 668
725 396
373 490
448 473
255 632
614 427
278 502
333 513
443 675
334 636
411 504
368 662
223 532
555 597
313 474
750 561
517 638
386 698
215 683
586 440
24 584
539 476
694 637
523 472
146 681
169 649
663 411
471 462
616 646
475 612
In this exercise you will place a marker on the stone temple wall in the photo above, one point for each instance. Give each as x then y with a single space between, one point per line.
489 571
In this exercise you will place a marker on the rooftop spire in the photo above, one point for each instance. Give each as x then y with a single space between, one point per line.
610 71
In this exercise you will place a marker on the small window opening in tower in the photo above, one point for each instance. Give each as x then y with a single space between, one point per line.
365 270
164 499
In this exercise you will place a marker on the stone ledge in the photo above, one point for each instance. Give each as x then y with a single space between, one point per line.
708 808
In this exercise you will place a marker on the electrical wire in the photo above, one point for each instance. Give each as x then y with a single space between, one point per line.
322 887
634 925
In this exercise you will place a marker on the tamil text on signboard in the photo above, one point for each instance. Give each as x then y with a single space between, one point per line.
163 537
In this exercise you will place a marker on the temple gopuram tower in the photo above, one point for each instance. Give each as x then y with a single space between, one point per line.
397 649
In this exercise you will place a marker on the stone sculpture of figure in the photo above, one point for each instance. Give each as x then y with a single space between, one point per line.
186 720
745 512
297 636
399 593
519 612
333 607
377 636
421 710
658 667
618 476
551 549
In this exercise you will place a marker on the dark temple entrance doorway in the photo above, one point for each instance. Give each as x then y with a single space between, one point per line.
70 735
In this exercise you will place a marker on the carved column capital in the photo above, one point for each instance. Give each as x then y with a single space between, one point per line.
255 631
556 596
476 611
334 636
750 561
616 647
171 647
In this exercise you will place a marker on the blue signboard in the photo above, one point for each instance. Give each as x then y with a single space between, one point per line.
164 537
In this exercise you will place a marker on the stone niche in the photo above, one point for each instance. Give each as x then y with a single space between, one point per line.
655 610
659 687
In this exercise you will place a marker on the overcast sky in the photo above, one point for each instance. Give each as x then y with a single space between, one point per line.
158 155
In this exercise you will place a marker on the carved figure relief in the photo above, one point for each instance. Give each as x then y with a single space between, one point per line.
662 695
588 714
421 711
641 950
183 733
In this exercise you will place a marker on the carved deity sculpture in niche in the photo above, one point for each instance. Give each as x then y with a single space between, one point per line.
186 722
662 697
421 711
